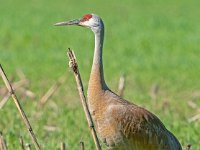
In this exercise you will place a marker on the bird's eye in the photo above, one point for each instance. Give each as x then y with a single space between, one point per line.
86 17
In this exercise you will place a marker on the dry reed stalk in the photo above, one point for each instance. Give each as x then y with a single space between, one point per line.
28 146
194 118
29 93
121 85
51 128
20 86
26 93
20 83
3 91
4 100
52 90
62 146
188 147
16 85
74 66
19 107
192 104
22 143
82 145
154 91
2 143
20 74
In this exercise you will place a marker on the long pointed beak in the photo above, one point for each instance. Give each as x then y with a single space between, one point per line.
71 22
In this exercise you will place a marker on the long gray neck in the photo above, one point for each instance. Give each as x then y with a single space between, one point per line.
97 75
98 50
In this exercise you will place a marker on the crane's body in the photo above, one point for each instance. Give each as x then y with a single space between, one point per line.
120 124
125 126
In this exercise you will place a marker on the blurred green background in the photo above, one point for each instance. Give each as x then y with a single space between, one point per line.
151 42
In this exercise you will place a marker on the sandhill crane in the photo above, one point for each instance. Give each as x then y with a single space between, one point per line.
120 124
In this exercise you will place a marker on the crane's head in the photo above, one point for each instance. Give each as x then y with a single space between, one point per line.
91 21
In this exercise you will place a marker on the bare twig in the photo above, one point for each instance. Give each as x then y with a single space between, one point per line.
154 91
22 143
3 91
74 66
29 93
28 146
51 128
20 83
20 74
62 146
82 145
22 88
2 143
19 107
121 85
192 104
15 85
188 147
194 118
52 90
26 93
195 95
4 100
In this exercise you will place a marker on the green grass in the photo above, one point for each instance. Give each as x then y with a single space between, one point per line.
152 42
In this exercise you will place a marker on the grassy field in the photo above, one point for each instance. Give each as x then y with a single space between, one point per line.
153 43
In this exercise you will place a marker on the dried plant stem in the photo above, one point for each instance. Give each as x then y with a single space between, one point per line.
2 143
28 93
192 104
4 100
188 147
52 90
121 85
15 85
22 113
82 145
22 143
28 146
74 66
154 92
194 118
62 146
20 74
20 83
